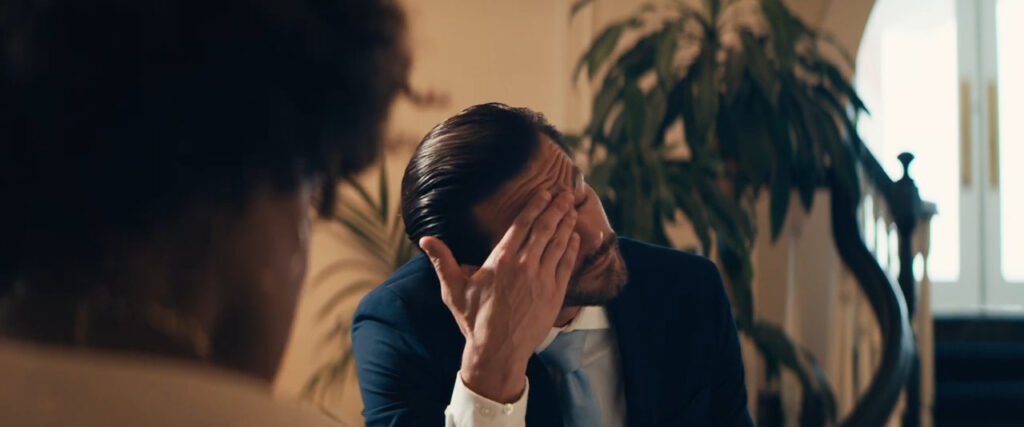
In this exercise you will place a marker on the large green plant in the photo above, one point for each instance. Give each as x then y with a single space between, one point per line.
760 108
377 230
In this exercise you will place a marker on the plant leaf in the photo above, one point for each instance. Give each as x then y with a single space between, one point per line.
308 390
573 141
608 96
354 288
806 168
705 96
602 48
692 207
577 6
733 79
617 135
342 265
713 6
397 230
600 174
835 77
771 339
639 58
845 54
633 109
363 194
366 238
687 12
654 115
382 183
664 55
340 330
338 372
366 214
785 30
779 202
849 127
759 67
737 266
782 178
751 121
365 219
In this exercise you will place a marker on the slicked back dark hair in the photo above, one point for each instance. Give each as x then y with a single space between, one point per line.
116 113
462 161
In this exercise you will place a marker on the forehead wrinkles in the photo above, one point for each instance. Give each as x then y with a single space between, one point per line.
550 169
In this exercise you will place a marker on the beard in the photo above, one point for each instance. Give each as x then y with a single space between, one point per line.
599 287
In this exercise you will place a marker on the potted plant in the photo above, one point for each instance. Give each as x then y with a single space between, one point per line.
710 107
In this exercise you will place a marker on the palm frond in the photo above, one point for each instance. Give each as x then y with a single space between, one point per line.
358 287
378 232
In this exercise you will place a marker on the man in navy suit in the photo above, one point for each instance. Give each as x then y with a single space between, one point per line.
527 308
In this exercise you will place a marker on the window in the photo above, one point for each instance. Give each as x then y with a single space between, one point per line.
938 75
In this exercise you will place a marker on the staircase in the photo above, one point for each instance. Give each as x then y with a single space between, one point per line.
979 371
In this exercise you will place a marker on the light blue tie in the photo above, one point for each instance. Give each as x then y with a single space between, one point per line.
564 357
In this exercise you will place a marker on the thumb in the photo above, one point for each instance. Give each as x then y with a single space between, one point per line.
444 262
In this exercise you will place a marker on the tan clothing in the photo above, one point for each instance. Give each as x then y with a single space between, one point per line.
47 386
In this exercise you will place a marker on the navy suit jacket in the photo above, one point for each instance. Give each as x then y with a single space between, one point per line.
677 340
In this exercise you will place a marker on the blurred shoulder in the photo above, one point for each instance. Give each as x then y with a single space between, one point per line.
49 385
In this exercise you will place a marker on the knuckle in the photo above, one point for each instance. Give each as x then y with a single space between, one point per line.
504 257
547 225
446 297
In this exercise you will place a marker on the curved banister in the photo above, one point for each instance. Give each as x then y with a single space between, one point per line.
886 299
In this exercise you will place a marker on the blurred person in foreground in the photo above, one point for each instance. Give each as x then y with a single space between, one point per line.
528 309
159 163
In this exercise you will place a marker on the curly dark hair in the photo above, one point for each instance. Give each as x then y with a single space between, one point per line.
116 113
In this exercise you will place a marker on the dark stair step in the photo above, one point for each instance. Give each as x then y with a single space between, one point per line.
979 372
979 403
979 362
978 424
979 329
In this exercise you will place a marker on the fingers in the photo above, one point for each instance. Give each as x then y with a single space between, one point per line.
520 229
556 247
567 263
448 270
545 227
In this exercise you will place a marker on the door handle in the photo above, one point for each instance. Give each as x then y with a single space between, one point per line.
965 134
993 135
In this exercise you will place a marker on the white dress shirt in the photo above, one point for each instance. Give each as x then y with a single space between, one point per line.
600 361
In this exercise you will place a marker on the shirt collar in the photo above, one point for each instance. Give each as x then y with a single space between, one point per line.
589 318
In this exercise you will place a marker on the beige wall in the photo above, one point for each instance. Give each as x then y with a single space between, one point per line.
520 53
476 51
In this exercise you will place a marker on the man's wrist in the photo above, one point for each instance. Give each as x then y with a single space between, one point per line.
499 380
467 408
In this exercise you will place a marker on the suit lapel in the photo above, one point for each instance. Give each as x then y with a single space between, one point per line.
635 333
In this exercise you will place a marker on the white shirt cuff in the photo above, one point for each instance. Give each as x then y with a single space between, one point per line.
468 409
